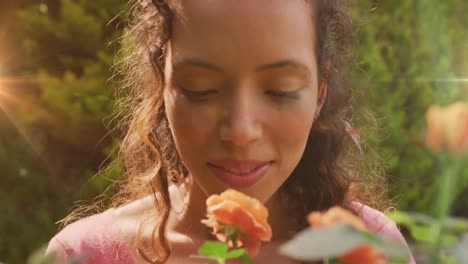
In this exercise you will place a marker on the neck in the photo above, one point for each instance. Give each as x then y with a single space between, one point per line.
281 224
189 210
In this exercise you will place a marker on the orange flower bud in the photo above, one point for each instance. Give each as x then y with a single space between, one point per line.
447 128
248 214
335 215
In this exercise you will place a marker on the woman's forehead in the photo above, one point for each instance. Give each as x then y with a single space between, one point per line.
245 15
244 31
242 7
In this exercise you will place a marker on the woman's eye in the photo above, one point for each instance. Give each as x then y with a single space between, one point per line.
199 94
284 94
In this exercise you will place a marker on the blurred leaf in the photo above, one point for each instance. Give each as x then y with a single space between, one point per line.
315 244
421 226
410 218
39 257
461 250
423 233
457 224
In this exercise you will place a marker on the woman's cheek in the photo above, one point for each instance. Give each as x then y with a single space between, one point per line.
294 123
192 124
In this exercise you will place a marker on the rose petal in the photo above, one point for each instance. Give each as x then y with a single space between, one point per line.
230 213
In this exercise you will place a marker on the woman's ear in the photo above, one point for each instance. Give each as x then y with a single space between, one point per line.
322 92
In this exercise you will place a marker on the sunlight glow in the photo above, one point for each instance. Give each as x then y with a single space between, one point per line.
11 103
9 115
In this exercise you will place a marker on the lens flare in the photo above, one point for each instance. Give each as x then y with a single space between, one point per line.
11 103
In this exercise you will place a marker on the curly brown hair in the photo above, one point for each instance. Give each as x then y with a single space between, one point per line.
334 169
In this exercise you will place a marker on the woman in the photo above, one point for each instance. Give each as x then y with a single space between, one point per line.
250 95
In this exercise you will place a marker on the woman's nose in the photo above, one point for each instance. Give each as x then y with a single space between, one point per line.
240 124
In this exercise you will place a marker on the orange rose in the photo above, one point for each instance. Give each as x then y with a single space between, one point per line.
365 254
448 127
247 214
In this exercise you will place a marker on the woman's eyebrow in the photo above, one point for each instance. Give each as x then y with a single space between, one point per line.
284 64
194 62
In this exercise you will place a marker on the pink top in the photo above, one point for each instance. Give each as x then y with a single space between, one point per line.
101 238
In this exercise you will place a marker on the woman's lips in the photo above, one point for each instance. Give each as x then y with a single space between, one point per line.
240 174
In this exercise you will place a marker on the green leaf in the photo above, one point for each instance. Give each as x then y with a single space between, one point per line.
423 233
426 234
401 218
335 240
321 243
457 224
203 257
50 259
409 219
246 259
421 226
214 249
236 253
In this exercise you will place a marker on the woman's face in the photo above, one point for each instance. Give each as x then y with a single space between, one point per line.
241 91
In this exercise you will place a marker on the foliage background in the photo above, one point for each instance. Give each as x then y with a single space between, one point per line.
56 99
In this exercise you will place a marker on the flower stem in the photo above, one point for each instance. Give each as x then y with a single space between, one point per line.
450 168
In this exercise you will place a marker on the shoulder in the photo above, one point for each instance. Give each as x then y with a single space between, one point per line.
98 238
380 223
377 221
